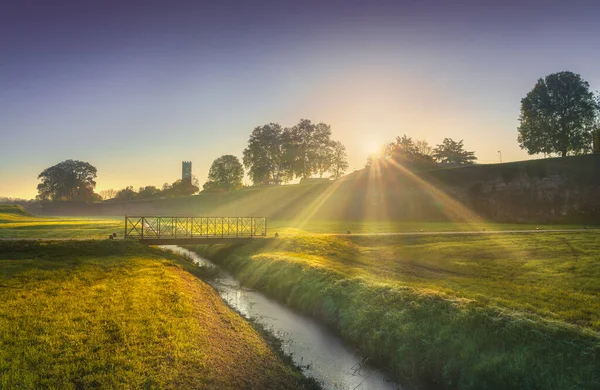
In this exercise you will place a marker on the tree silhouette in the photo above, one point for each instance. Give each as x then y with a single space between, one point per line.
148 192
226 173
264 155
67 181
307 148
452 152
127 193
182 188
108 193
557 116
338 160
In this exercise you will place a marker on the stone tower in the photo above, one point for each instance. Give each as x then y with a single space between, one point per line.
186 171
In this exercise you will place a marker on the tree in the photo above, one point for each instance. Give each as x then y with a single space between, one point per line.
557 116
306 148
226 173
95 198
127 193
407 152
148 192
182 188
108 194
423 148
264 158
452 152
67 181
338 163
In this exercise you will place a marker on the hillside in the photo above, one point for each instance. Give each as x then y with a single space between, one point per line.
14 209
549 190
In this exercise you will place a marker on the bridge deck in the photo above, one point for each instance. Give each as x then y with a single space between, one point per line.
172 230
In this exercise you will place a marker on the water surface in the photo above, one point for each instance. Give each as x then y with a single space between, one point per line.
317 350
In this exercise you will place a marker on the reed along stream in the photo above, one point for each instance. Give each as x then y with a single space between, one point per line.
320 353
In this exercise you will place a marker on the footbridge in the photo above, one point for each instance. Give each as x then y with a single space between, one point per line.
194 230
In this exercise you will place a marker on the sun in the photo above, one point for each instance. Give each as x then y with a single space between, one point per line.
372 147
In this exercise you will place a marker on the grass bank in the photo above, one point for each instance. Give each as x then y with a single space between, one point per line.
92 314
464 312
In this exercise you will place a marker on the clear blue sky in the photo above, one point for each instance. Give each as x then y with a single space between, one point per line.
135 87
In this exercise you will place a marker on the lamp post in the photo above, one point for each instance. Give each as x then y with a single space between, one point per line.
500 154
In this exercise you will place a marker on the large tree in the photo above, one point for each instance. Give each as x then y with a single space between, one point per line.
226 173
264 157
557 116
67 181
453 152
307 148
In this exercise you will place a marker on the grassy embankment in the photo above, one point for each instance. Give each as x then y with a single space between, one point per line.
468 312
557 190
93 314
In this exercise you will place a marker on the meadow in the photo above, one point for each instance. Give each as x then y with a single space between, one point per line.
117 314
442 311
15 222
468 312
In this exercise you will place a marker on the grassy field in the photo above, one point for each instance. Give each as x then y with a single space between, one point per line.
110 314
290 227
17 223
468 312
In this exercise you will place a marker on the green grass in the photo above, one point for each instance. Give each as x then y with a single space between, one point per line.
15 222
91 314
15 225
14 210
291 227
468 312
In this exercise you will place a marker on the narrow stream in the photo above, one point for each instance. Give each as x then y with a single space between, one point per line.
321 353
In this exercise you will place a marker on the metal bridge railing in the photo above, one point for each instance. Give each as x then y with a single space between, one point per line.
194 227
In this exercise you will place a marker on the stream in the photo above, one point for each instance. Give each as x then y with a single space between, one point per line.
320 353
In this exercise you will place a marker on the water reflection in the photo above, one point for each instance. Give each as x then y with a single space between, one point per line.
321 353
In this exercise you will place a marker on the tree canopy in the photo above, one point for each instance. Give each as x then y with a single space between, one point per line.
127 193
181 188
558 116
226 173
68 181
453 152
308 148
277 155
264 155
409 153
339 163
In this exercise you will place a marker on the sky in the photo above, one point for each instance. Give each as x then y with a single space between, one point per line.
136 87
